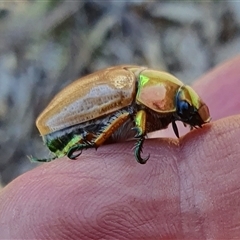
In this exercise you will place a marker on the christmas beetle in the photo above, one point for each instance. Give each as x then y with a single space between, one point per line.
115 104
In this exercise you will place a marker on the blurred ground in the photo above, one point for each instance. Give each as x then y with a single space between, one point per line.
45 45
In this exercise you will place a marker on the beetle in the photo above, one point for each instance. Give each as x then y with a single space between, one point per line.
116 104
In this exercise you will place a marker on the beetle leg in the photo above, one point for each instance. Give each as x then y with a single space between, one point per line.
33 159
87 139
140 127
111 127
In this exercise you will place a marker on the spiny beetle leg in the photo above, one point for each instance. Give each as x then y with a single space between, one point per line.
140 127
32 159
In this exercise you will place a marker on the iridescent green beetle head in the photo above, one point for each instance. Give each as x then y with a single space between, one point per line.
190 109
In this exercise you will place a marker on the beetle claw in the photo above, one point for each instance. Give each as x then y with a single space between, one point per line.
138 151
74 149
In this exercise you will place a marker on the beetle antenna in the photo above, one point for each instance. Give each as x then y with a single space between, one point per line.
175 129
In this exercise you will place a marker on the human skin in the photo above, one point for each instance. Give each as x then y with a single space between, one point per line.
189 188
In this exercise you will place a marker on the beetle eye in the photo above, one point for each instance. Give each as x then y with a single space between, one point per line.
184 109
